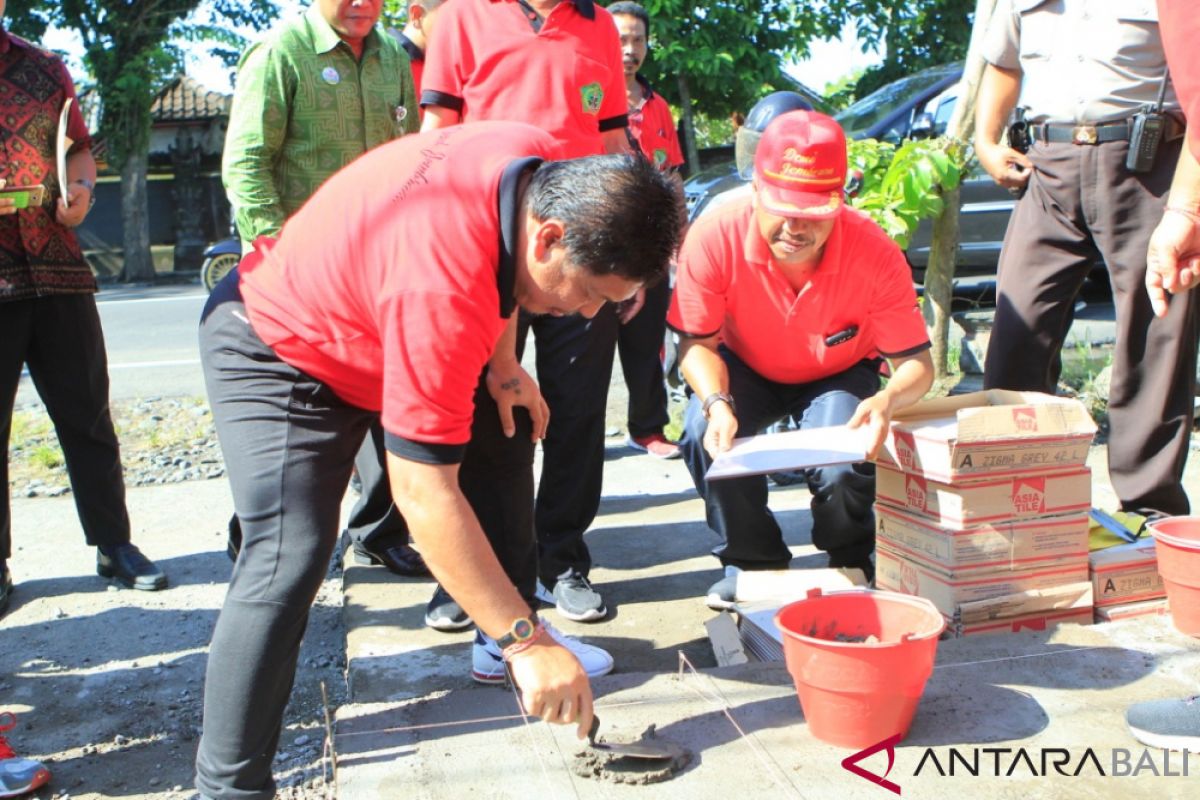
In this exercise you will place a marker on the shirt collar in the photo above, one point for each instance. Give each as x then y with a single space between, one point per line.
414 53
325 38
756 251
509 200
647 92
586 8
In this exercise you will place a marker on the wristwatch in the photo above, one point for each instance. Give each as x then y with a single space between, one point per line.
718 397
91 187
522 631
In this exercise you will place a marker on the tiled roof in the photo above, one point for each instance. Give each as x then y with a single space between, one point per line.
185 100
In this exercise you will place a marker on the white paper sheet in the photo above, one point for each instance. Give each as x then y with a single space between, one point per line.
779 452
63 144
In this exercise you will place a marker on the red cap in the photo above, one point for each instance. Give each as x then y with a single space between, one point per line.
800 166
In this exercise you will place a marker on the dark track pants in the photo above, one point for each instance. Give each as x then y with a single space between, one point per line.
736 508
289 444
60 339
375 521
1082 206
574 368
639 345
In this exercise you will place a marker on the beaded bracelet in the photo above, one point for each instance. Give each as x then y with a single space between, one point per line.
514 649
1191 214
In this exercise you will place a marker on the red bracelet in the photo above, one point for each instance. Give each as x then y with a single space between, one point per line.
1191 214
513 649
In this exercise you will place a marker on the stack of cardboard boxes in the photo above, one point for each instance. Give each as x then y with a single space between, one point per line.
1125 581
982 507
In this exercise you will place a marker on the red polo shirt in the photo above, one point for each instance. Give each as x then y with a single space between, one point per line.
1179 25
393 283
486 61
653 128
727 283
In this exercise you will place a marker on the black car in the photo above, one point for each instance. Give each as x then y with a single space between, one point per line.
917 106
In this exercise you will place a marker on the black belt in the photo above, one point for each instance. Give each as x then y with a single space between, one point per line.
1079 134
1065 132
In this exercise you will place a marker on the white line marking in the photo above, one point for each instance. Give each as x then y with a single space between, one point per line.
131 300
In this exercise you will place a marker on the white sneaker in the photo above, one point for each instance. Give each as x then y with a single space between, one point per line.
487 665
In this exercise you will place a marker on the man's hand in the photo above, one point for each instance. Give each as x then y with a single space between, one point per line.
629 309
553 684
876 413
722 427
1173 260
510 385
71 215
1007 167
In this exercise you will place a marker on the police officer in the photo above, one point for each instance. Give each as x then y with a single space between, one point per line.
1084 70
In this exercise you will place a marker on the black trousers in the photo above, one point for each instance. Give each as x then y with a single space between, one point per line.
639 345
289 444
60 339
842 495
574 368
1082 206
375 521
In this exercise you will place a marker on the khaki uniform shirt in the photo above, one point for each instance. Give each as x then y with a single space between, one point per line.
303 108
1083 61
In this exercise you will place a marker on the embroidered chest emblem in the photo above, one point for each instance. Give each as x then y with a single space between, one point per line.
592 96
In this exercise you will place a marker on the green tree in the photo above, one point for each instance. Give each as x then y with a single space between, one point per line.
131 49
914 33
721 56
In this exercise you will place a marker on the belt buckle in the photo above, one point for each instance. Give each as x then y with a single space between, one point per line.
1084 134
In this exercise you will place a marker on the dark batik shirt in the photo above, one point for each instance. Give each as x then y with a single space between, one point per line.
38 256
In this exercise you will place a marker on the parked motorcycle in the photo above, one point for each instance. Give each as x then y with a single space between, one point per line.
220 259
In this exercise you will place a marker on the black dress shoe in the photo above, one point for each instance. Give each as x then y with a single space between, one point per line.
6 586
127 564
400 559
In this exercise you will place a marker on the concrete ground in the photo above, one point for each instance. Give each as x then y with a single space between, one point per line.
419 728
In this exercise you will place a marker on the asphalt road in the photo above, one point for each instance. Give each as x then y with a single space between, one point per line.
150 332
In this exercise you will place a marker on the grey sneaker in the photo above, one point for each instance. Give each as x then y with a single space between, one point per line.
1172 724
575 598
723 594
444 614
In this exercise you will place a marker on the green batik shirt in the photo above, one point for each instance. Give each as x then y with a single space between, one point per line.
304 108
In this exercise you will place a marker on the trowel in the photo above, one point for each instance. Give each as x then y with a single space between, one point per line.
655 751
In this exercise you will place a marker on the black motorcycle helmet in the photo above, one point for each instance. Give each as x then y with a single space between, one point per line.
760 116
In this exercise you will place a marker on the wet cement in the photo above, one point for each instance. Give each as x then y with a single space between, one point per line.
604 765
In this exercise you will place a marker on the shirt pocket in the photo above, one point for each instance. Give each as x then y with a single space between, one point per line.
1040 29
1134 40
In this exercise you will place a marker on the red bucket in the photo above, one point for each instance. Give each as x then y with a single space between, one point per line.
856 693
1177 543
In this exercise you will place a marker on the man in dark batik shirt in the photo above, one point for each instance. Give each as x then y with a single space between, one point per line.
48 317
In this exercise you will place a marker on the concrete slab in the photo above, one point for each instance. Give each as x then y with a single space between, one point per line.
415 730
1065 690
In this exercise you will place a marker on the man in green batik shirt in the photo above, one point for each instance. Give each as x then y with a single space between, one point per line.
317 92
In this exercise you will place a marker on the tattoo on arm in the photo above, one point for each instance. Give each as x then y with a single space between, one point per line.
513 385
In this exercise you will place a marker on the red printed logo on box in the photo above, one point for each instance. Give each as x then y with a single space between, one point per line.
906 450
910 580
915 492
1029 495
1025 419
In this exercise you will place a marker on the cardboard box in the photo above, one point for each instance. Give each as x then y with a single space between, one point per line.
989 434
1145 608
1038 621
991 546
957 506
992 595
1126 573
